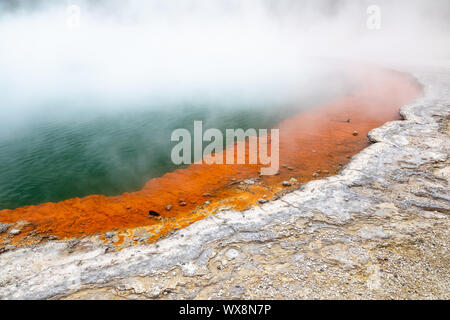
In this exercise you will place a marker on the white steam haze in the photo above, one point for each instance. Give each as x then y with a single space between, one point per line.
164 52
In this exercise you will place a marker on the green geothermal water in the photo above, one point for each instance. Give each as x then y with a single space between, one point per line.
53 159
74 147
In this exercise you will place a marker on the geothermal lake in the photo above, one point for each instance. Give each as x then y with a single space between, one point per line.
61 153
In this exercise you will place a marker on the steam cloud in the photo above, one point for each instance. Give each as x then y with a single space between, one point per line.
163 52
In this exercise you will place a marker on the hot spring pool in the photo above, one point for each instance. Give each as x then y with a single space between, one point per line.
57 158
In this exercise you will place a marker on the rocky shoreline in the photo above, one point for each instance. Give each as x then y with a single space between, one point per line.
377 230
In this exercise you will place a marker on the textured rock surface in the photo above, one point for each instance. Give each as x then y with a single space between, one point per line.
379 229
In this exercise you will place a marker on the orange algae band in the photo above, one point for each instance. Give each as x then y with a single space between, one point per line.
313 144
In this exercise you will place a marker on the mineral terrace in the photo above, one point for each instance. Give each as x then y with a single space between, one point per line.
377 230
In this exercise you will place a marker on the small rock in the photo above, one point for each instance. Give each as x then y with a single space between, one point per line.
315 175
355 133
326 171
181 200
14 232
153 213
232 254
4 227
262 201
108 248
182 203
207 195
293 180
128 207
207 202
290 168
168 207
287 184
109 235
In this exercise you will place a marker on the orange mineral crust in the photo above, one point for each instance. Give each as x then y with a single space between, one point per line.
313 144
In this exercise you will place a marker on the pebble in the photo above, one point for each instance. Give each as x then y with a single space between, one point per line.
14 232
153 213
109 235
182 203
207 202
168 207
4 227
355 133
232 254
290 168
262 201
287 184
207 195
293 180
315 175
